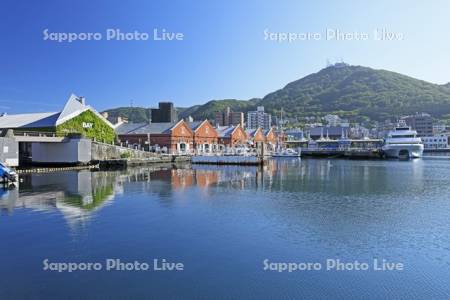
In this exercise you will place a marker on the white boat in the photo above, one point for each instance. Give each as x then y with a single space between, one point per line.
402 142
287 153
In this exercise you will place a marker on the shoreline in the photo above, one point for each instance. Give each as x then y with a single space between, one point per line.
104 165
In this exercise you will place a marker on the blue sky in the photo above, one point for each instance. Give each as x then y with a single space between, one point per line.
223 54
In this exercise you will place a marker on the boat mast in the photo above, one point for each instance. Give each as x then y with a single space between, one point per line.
281 127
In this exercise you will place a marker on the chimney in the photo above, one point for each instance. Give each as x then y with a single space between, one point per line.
82 100
105 114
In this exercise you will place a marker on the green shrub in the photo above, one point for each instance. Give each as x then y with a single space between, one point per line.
125 155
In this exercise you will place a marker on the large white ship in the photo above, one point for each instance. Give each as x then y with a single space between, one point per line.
402 142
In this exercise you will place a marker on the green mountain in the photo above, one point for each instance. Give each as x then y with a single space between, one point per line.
209 109
134 114
356 92
198 112
184 112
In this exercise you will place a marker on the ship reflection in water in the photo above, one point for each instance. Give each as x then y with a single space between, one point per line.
78 195
222 222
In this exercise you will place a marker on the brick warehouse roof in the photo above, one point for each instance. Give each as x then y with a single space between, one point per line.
145 128
194 125
225 131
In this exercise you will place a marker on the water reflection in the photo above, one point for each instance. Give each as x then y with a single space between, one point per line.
78 195
231 217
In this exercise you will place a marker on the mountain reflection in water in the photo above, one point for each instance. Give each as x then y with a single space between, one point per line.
79 194
223 221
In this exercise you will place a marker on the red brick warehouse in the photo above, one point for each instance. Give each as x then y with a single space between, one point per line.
176 137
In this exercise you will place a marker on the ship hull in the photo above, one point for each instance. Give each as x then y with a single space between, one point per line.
403 150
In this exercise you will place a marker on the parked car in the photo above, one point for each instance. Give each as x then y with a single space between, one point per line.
7 174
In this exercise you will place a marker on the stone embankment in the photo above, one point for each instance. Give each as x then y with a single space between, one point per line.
106 156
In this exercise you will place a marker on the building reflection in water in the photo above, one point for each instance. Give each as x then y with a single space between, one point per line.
79 194
167 182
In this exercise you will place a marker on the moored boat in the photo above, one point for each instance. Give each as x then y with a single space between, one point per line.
403 143
287 153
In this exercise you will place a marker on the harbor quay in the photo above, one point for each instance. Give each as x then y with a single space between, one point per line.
224 150
342 148
74 138
78 135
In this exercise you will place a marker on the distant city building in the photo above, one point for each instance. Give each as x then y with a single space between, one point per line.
332 120
229 118
359 132
313 125
335 120
329 133
165 113
294 134
439 128
435 142
421 122
383 128
282 121
344 123
259 118
337 65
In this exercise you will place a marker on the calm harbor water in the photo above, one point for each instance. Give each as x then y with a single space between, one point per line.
221 223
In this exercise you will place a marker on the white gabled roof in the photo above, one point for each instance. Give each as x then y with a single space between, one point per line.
29 120
72 108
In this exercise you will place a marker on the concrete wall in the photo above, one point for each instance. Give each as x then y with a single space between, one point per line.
73 151
9 151
82 151
101 151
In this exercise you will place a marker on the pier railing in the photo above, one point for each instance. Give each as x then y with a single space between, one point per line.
38 133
